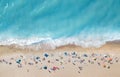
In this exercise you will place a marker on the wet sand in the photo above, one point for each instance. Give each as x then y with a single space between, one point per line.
65 61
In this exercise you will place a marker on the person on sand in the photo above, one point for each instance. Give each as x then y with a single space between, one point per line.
99 63
48 61
85 55
69 60
89 61
27 70
0 61
104 65
109 59
55 68
21 56
78 71
61 57
108 67
81 68
74 64
12 58
49 71
78 57
10 63
65 53
92 62
74 53
43 59
57 59
20 66
37 58
30 63
5 61
116 59
61 63
95 59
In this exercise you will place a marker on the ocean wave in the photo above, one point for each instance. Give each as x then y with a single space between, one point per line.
50 43
86 23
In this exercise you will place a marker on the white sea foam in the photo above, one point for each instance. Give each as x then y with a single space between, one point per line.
53 43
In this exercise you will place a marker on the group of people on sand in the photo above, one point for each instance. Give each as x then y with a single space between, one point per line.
58 61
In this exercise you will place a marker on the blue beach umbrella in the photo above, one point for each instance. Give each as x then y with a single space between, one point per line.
18 61
85 55
73 53
46 55
37 57
65 53
45 67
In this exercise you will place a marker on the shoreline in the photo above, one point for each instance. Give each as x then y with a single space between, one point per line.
110 47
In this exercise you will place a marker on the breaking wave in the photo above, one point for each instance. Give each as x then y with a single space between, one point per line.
86 23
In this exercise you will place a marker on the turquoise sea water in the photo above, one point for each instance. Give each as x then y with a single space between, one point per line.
59 22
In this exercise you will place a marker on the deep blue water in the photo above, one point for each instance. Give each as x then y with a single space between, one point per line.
82 22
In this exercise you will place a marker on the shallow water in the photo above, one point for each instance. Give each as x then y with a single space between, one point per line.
59 22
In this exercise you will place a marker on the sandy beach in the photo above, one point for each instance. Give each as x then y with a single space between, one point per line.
65 61
59 38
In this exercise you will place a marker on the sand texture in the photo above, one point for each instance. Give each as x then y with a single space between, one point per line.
65 61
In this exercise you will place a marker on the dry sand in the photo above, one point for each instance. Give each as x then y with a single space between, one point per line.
70 70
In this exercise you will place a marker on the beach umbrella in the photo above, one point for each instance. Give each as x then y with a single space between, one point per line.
105 56
46 55
18 61
65 53
55 68
104 65
85 55
37 57
110 59
45 67
73 53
